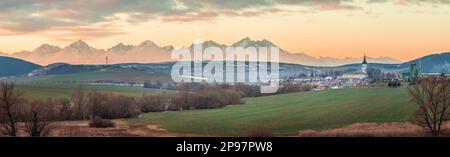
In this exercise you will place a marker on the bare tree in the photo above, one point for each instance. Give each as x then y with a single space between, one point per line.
38 118
80 103
96 104
432 94
10 108
64 108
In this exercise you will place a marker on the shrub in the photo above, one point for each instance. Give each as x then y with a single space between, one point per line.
112 106
120 106
65 109
152 103
394 84
98 122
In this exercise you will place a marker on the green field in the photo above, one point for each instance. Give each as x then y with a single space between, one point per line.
64 84
289 113
122 75
58 91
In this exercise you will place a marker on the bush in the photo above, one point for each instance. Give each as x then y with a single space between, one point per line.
153 103
120 106
112 106
394 84
98 122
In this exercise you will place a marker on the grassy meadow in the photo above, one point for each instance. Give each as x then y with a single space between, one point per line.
63 85
287 114
122 75
58 91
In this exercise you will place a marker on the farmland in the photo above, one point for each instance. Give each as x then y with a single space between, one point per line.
64 84
287 114
120 75
42 92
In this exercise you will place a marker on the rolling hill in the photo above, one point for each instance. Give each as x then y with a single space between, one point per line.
434 63
14 67
89 77
40 91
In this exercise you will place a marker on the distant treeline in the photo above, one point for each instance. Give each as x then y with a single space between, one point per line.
38 115
205 98
191 96
246 90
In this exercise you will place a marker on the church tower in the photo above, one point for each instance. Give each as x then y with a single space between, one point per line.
364 65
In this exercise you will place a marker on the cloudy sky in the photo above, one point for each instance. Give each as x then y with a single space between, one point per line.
402 29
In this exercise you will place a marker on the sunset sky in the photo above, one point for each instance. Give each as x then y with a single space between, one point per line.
402 29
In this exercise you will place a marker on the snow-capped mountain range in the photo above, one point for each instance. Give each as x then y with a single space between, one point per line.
80 52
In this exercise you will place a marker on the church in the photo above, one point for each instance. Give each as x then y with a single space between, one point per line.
357 75
364 65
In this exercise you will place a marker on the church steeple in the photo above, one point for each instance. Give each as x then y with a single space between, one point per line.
364 61
364 65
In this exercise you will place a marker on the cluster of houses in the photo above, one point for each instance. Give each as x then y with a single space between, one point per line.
345 80
116 83
361 77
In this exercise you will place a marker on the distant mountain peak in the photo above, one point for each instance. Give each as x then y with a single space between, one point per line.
80 44
247 42
148 43
246 39
120 45
24 53
46 49
120 48
265 43
209 43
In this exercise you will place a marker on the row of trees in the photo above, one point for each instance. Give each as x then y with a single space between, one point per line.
159 85
38 115
246 90
82 106
191 96
207 98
